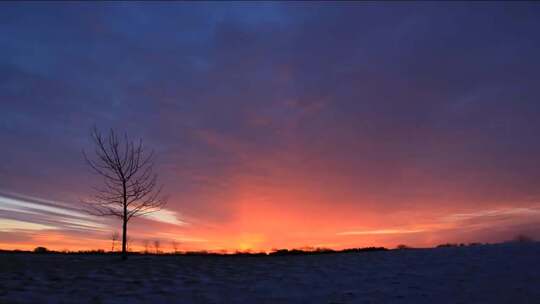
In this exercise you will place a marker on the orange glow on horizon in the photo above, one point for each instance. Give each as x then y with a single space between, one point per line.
265 218
257 233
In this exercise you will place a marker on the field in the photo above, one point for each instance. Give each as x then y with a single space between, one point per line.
506 273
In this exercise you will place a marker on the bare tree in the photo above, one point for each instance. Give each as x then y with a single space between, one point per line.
130 187
156 246
114 238
175 246
129 241
146 245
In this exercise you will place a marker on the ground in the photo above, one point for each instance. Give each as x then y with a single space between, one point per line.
507 273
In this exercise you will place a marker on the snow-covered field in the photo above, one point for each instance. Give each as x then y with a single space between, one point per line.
508 273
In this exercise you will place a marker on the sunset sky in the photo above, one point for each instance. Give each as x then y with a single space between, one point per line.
275 125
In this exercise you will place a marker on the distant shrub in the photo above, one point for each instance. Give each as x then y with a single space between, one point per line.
94 251
313 251
41 250
402 246
287 252
522 238
366 249
447 245
247 253
474 244
200 252
323 250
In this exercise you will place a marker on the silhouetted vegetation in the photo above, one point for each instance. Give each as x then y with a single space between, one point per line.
366 249
157 244
130 187
276 252
522 238
324 251
40 250
43 250
174 246
447 245
114 238
475 244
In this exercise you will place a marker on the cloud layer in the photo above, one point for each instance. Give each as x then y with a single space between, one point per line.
279 124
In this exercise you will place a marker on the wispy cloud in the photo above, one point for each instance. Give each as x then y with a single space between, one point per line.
380 231
22 212
491 214
462 222
25 212
492 218
166 216
7 225
180 238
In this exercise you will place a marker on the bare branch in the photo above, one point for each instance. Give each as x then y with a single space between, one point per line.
130 188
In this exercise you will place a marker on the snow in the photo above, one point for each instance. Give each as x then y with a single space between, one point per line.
505 273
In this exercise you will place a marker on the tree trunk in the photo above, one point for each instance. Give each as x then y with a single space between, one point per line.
124 245
124 222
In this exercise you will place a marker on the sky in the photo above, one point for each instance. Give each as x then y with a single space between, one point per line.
275 125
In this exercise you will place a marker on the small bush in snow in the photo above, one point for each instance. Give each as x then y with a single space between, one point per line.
447 245
41 250
522 238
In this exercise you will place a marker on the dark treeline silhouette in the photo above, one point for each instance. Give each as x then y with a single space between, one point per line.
324 251
275 252
524 239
